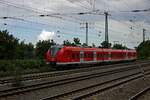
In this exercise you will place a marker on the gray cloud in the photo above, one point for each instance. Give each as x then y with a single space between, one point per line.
120 23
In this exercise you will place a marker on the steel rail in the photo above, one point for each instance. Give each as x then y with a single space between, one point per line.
65 81
140 93
35 76
39 86
81 96
109 87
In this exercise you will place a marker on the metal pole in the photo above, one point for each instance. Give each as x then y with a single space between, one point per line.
143 35
87 33
106 27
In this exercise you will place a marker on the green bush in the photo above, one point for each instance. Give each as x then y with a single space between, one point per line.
25 66
144 50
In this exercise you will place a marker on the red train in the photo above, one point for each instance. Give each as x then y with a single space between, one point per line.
62 55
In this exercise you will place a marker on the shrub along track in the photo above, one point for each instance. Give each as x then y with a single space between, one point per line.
115 75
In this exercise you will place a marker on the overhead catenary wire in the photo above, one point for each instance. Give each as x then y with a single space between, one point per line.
38 14
38 29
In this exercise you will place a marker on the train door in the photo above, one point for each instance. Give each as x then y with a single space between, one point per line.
81 56
109 55
94 56
126 55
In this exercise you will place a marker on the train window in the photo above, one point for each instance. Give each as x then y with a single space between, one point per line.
101 56
54 51
73 56
124 55
97 55
109 55
118 55
77 56
105 55
81 55
92 55
86 55
112 55
67 55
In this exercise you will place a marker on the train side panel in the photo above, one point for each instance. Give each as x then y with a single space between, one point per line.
80 55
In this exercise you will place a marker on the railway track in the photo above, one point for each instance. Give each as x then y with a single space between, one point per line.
28 80
139 94
36 76
86 92
106 76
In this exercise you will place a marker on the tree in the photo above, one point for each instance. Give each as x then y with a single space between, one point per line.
119 46
76 41
67 43
84 45
93 45
8 45
105 44
42 47
11 48
143 50
25 51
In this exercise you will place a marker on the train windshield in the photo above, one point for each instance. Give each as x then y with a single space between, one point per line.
54 51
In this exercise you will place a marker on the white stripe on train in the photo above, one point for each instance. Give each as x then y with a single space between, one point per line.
89 62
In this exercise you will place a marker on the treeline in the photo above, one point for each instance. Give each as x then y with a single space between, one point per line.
13 48
144 50
19 57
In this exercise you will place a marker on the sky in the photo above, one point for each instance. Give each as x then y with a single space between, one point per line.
62 21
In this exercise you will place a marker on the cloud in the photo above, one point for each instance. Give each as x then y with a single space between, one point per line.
119 22
45 35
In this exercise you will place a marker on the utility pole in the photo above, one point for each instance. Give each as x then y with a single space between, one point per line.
86 27
86 33
106 28
144 34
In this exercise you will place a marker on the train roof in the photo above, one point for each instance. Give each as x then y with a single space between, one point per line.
95 49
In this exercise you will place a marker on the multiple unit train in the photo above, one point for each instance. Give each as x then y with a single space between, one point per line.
63 55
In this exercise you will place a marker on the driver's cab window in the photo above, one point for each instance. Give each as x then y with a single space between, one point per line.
54 51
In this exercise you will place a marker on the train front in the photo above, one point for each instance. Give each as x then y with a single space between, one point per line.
51 55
